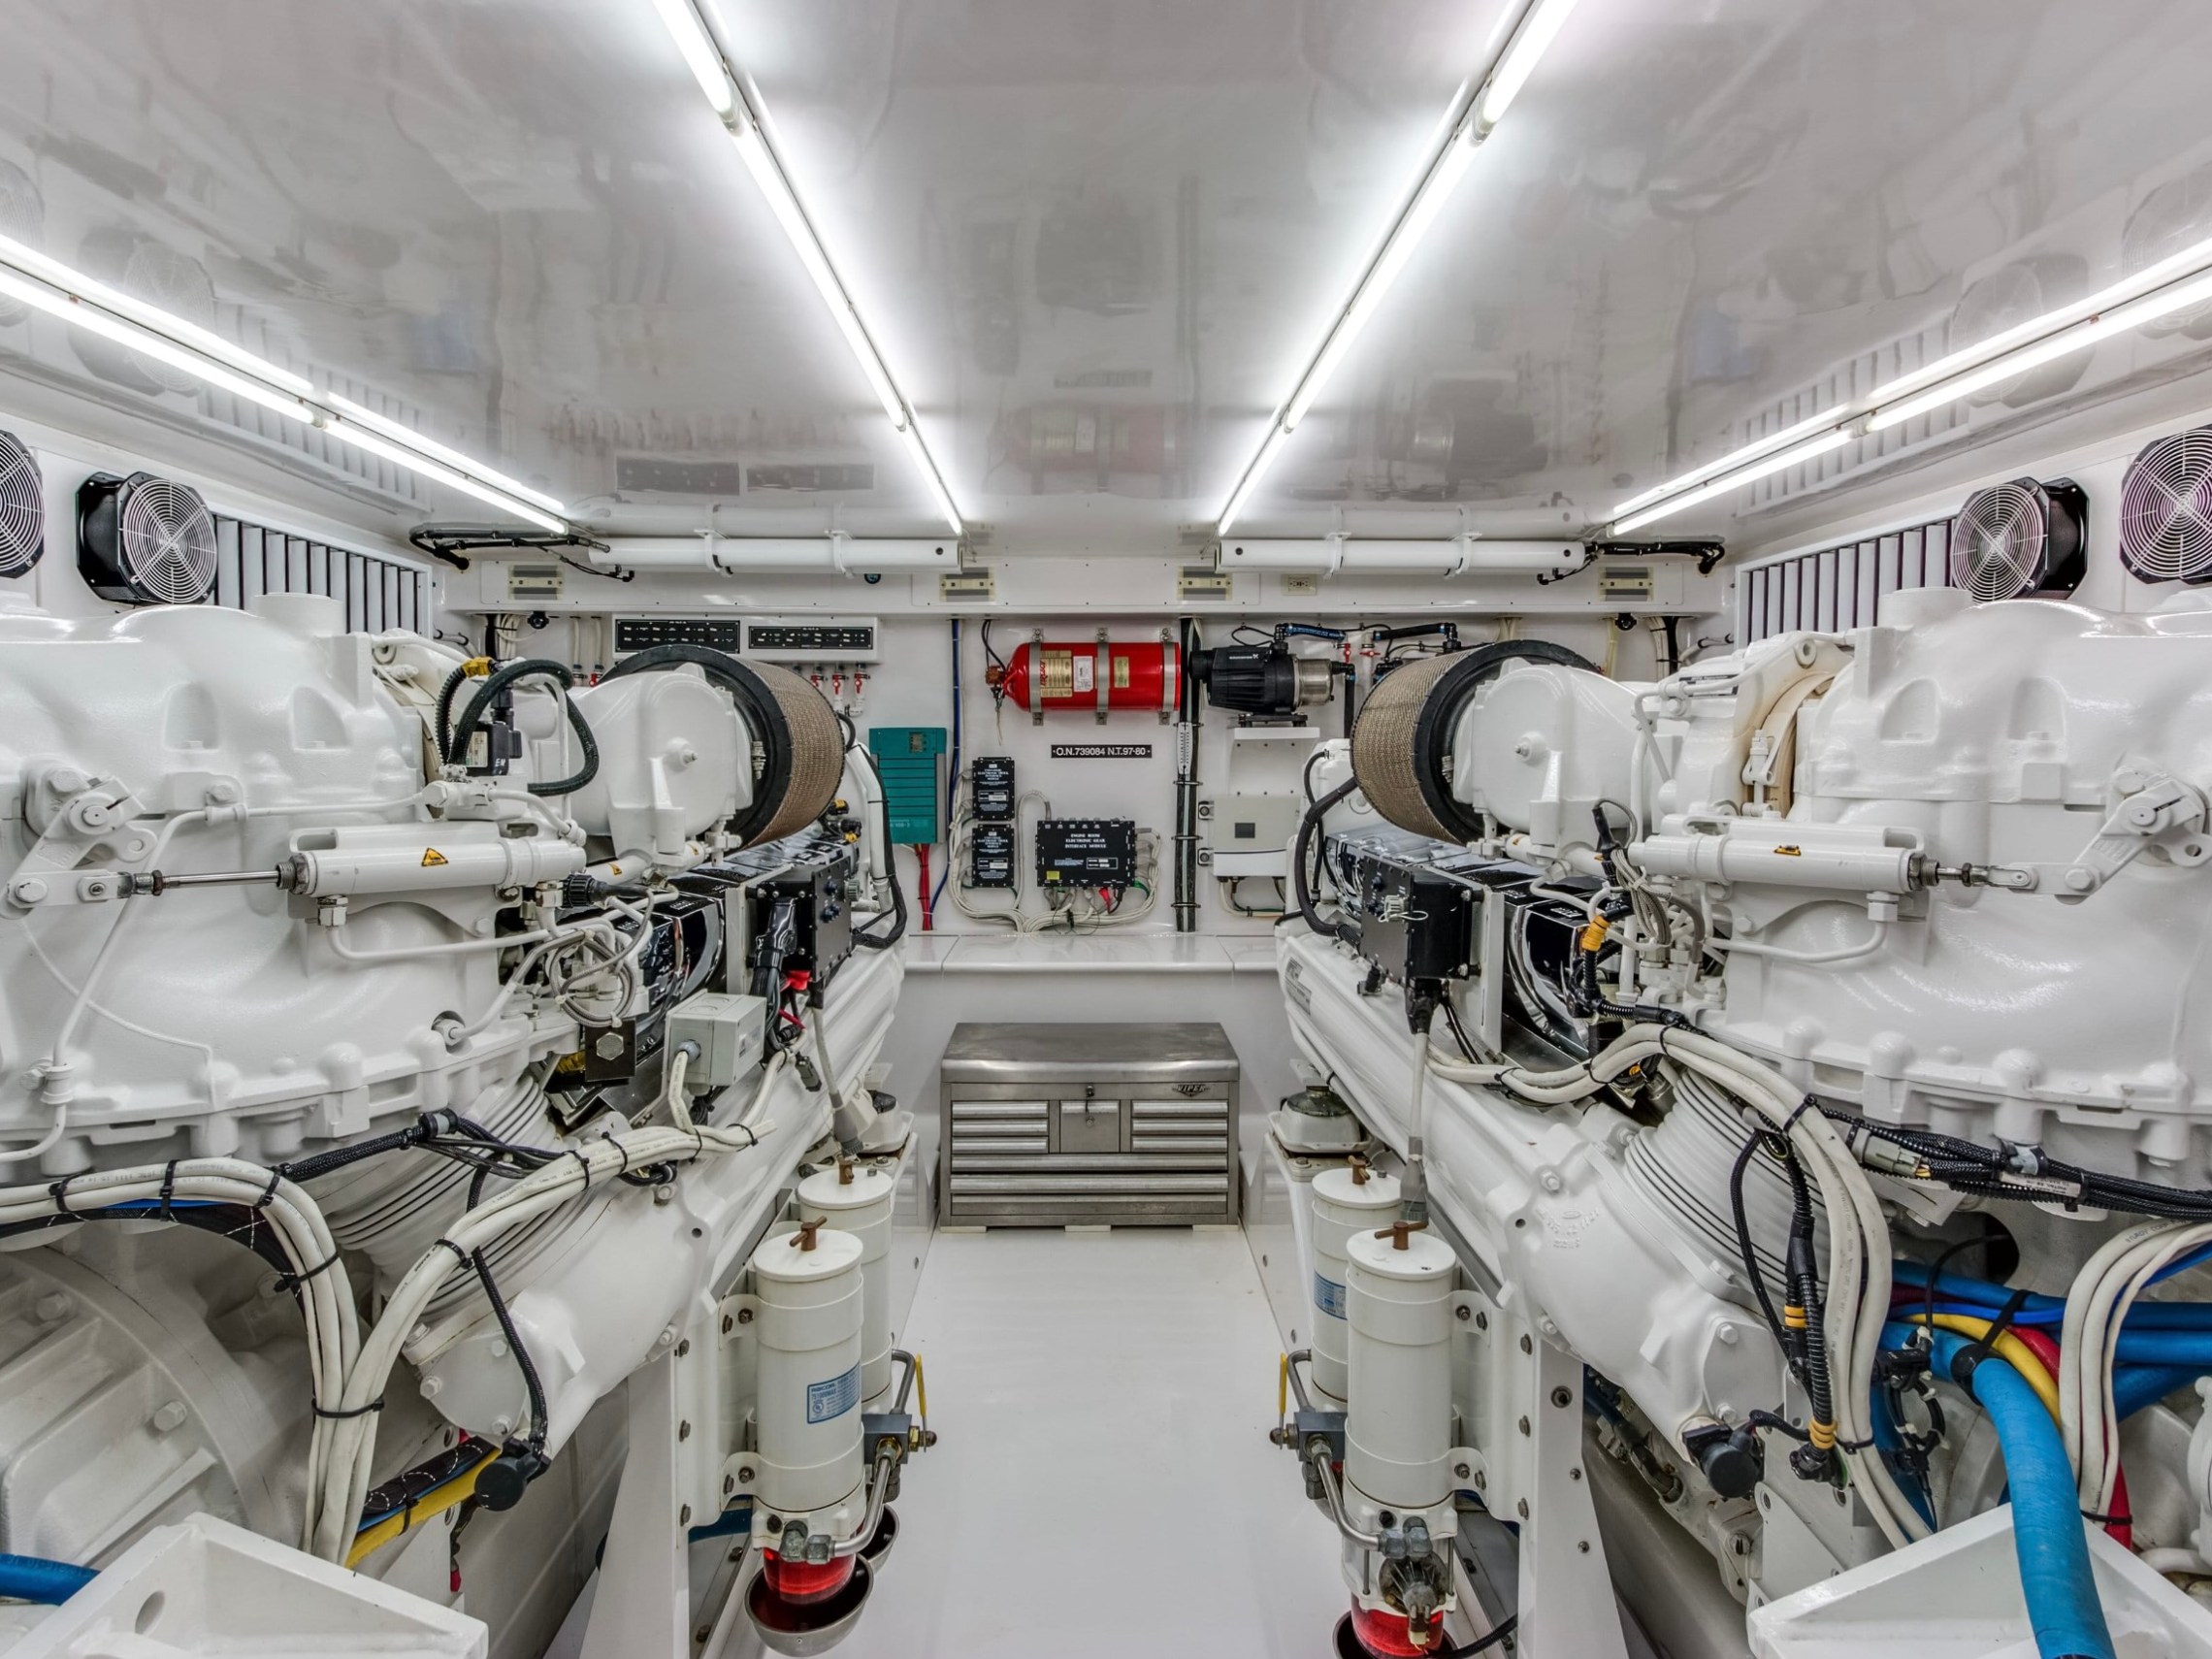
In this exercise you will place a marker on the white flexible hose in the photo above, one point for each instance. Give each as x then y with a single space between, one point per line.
1859 1250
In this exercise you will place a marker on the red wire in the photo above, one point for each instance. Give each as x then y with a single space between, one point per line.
922 857
2122 1528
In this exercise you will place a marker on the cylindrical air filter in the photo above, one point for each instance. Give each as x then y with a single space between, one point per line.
1344 1207
859 1201
807 1407
1400 746
1398 1427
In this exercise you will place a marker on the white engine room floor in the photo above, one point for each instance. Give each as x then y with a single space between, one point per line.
1104 1484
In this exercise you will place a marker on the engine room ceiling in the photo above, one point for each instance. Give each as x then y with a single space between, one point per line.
1099 241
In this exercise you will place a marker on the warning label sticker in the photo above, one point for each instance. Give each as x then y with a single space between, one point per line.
431 857
1329 1297
1086 674
834 1398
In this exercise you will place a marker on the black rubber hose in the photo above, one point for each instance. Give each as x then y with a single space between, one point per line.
1302 851
497 681
443 730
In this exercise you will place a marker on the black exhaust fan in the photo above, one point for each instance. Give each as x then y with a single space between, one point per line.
144 540
2019 538
2166 510
23 514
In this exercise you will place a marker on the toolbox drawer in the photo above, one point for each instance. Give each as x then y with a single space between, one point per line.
1047 1125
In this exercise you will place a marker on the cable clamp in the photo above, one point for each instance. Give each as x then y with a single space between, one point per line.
166 1211
376 1405
58 1191
293 1281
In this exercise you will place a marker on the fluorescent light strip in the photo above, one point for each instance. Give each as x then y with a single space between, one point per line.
1270 450
375 443
917 453
1465 125
1538 26
84 314
700 54
741 115
1782 439
753 147
32 263
1420 213
1777 462
408 438
2158 290
174 341
2077 337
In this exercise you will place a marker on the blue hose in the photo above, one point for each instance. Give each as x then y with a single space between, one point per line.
34 1579
2134 1386
2047 1531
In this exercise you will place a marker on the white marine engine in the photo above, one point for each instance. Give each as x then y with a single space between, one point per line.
1707 1020
495 1014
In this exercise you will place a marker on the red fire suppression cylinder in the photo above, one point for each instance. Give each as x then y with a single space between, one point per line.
1071 677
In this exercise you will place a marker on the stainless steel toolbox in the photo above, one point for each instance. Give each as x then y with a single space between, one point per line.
1132 1125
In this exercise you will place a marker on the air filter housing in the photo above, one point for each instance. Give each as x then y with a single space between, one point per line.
1401 744
2019 538
2166 510
22 514
144 540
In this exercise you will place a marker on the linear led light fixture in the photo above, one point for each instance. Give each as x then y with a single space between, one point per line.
742 555
1474 112
2171 284
32 279
736 103
1361 556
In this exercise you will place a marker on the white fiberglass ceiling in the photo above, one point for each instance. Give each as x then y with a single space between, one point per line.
1097 241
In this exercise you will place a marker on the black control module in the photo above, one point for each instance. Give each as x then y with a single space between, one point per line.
991 787
1087 852
991 855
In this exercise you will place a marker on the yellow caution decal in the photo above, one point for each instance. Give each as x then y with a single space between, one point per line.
431 858
1788 850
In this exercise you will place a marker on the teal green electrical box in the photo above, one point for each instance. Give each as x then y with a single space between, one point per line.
908 757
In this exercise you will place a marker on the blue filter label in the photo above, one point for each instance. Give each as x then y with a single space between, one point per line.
1329 1297
834 1398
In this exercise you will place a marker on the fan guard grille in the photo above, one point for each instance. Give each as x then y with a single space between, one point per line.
1999 539
168 540
22 517
2166 510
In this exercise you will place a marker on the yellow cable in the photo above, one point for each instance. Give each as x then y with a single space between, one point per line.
431 1504
1283 1391
921 1391
2008 1347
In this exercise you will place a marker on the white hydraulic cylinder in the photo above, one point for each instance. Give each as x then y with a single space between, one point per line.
1776 852
1398 1429
374 859
1344 1207
807 1410
858 1202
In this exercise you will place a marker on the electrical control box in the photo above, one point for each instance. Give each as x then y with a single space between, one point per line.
909 757
991 787
802 922
1087 852
991 855
729 1029
1250 834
